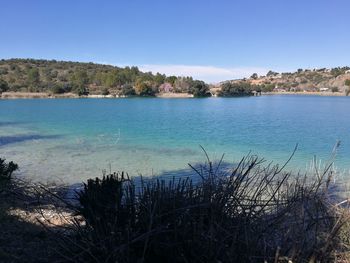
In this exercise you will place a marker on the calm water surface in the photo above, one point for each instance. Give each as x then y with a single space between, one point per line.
73 139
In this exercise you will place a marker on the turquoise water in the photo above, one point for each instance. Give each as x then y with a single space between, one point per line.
70 140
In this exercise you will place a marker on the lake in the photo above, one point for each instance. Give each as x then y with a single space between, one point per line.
70 140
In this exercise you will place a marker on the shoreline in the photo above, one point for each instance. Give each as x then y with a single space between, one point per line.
43 95
318 93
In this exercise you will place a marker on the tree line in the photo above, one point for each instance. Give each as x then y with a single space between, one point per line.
58 77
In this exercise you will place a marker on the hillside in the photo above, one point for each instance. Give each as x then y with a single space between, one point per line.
60 77
42 78
334 80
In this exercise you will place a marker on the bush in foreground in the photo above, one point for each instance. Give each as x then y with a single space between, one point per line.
250 213
6 171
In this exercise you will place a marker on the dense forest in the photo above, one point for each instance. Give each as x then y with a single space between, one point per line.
58 77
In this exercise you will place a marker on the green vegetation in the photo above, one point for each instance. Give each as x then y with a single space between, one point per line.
105 92
171 80
33 77
271 73
79 79
144 88
243 88
6 171
339 71
229 89
335 89
300 81
183 84
58 77
3 86
254 76
127 90
266 87
199 89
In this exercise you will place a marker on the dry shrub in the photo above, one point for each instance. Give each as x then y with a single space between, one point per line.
250 213
6 171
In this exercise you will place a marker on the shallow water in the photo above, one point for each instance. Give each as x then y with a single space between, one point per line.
70 140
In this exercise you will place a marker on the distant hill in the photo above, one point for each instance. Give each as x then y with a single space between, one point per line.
59 77
316 80
76 78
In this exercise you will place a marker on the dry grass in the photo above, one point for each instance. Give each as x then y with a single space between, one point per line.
252 213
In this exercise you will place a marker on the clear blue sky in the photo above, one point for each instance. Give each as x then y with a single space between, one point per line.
210 39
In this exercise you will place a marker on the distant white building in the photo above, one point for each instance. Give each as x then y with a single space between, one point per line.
278 76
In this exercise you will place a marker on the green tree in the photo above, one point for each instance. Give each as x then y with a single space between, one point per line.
3 71
159 79
271 73
3 86
171 80
57 89
42 75
105 92
337 71
143 88
33 76
80 80
237 89
254 76
266 87
82 91
46 72
335 89
199 89
110 79
183 84
127 90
